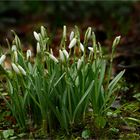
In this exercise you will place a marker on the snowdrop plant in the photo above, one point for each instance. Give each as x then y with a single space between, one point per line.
54 91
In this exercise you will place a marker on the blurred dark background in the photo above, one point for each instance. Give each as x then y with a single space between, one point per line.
25 16
107 18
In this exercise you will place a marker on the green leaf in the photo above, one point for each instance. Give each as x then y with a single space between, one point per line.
115 80
82 99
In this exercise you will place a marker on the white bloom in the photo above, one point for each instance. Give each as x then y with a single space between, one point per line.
71 35
79 63
28 54
36 35
43 32
66 54
38 48
21 70
62 57
53 58
15 56
14 48
116 41
72 43
2 58
91 49
81 47
15 68
64 31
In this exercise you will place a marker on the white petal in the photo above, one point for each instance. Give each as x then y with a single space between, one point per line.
2 58
91 49
62 58
53 58
72 43
71 35
66 54
43 31
36 35
81 47
28 54
15 68
21 70
14 48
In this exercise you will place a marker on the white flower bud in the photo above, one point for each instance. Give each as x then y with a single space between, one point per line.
2 58
62 57
81 47
43 31
36 35
72 43
88 34
71 35
15 56
66 54
116 41
14 48
53 58
91 49
64 31
38 48
21 70
28 54
79 63
15 68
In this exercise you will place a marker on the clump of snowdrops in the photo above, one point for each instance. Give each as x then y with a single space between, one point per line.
57 92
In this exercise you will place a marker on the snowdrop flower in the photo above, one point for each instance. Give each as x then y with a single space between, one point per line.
14 48
2 58
36 35
43 31
38 48
88 33
15 68
81 47
64 31
72 43
28 54
71 35
53 58
21 70
15 56
91 49
116 41
62 57
79 63
66 54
